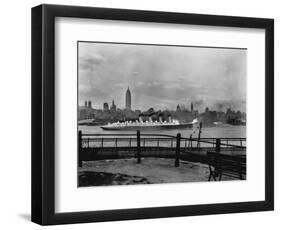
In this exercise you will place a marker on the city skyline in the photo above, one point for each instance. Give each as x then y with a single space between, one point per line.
107 70
114 107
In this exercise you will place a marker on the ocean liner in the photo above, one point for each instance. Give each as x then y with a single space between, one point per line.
148 125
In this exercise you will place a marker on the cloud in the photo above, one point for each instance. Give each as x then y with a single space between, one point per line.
90 62
162 76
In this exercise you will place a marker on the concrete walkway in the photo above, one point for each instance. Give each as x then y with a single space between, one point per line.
154 170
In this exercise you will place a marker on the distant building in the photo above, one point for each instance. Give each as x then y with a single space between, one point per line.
105 106
128 99
191 107
206 110
89 104
178 108
113 106
86 111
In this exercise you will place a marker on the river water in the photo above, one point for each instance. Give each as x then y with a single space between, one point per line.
223 131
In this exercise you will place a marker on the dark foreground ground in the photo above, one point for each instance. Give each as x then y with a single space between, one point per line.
103 178
150 171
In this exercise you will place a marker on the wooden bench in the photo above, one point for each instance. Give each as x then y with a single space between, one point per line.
226 165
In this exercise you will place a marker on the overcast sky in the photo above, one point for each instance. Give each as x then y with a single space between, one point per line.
162 76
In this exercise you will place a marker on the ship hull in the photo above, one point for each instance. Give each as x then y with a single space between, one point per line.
144 127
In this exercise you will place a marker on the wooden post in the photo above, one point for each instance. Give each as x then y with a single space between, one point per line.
138 147
218 145
177 159
80 148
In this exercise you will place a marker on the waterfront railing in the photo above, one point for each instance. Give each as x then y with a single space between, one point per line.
156 140
147 144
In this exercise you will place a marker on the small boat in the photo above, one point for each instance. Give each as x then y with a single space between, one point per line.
217 123
148 125
86 122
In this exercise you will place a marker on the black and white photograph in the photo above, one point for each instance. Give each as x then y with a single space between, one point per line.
150 113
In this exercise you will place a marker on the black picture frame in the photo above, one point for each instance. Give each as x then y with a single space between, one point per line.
43 114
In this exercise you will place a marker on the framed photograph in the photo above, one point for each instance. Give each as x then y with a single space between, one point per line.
142 114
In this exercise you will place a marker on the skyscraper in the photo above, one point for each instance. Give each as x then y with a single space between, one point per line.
105 106
89 104
113 106
128 99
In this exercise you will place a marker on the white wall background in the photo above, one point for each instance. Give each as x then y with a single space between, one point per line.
15 114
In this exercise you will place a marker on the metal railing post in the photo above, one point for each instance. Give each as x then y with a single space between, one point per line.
80 148
218 145
177 158
199 135
138 147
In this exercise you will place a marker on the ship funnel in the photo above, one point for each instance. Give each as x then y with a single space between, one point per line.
170 119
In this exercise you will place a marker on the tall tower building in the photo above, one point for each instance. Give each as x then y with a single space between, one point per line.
113 106
105 106
89 104
191 107
128 99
